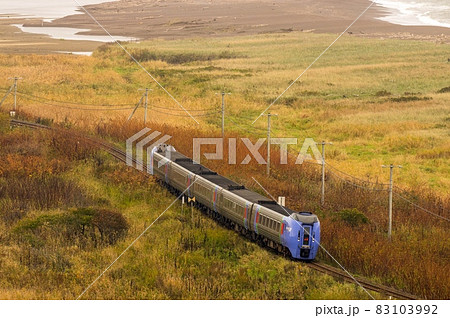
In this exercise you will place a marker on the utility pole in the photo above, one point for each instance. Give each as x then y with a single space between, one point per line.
391 184
223 112
144 99
269 115
15 90
146 105
323 143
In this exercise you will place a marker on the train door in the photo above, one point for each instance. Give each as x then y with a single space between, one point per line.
219 202
252 219
217 197
189 181
248 215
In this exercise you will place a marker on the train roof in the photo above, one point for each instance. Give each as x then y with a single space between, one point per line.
236 188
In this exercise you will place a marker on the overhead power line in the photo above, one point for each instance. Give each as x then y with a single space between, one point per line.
420 207
52 102
75 108
71 103
191 110
6 95
356 178
210 112
354 184
181 115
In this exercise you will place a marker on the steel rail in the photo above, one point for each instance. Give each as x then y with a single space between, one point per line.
330 270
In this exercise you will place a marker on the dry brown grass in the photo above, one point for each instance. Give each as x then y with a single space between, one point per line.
419 240
366 95
379 101
56 253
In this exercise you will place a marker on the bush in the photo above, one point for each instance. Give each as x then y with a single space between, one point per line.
444 90
383 93
352 217
145 55
408 99
111 225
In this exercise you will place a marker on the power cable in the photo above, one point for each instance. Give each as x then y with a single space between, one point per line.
77 108
37 98
71 103
354 184
180 115
349 175
421 208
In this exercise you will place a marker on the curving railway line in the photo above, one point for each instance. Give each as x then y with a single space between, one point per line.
326 269
330 270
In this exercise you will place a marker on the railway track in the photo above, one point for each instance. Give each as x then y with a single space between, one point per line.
112 150
326 269
389 291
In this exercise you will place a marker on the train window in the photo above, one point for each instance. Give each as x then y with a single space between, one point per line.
229 204
278 227
203 190
178 176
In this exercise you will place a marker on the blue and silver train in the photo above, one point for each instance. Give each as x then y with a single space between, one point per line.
295 234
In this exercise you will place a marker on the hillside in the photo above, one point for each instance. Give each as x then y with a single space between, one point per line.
68 210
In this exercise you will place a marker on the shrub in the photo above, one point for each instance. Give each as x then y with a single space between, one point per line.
383 93
444 90
111 225
353 217
145 55
408 99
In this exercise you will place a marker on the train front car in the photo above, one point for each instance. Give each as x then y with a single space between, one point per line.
301 235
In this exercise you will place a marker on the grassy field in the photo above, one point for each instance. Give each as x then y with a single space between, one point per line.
88 208
379 101
64 205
